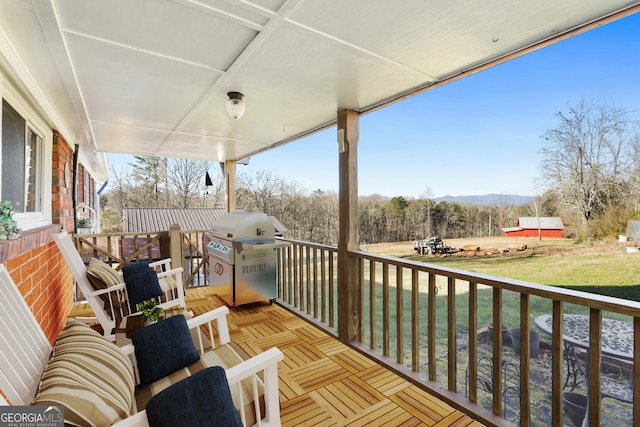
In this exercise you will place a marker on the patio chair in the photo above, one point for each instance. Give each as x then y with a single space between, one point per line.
110 302
510 379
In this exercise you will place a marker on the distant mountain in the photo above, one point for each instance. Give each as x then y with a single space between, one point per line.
487 200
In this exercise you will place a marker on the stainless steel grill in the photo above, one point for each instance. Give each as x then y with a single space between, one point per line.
242 258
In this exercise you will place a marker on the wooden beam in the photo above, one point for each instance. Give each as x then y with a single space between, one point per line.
348 271
230 182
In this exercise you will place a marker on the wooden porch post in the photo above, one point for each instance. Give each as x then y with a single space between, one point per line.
175 246
348 271
230 181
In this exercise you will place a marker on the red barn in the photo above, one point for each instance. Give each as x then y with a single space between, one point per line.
530 226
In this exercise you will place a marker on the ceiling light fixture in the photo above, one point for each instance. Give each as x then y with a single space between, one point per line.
235 105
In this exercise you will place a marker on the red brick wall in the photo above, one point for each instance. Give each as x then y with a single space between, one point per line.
46 284
34 261
62 191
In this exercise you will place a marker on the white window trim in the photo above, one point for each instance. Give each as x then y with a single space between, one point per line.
30 220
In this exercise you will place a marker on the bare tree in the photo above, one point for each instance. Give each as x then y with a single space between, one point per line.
214 195
260 193
585 158
187 181
150 175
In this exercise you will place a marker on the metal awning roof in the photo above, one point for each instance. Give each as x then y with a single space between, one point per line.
150 77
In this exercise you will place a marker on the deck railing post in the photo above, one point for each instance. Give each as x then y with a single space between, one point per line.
348 270
175 237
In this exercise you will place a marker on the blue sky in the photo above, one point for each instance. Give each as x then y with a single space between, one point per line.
478 135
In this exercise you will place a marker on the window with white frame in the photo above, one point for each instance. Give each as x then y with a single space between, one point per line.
21 163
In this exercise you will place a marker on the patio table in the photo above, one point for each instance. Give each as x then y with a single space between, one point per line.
616 342
617 335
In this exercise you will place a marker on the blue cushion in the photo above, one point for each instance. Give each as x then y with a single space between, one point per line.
142 283
202 399
163 348
135 268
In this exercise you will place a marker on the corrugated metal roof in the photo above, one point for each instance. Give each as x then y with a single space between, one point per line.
546 222
148 220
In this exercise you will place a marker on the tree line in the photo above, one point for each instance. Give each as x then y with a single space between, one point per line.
590 176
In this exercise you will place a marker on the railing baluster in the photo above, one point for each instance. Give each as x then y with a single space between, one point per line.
385 309
290 285
472 374
452 335
372 305
415 322
399 317
525 361
557 360
431 326
361 300
323 286
497 351
595 366
332 281
297 301
636 372
307 265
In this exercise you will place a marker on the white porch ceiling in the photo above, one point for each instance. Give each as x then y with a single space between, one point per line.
150 77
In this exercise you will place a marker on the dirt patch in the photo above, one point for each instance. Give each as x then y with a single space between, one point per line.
502 247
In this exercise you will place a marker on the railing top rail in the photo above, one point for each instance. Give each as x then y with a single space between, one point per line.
311 245
132 234
601 302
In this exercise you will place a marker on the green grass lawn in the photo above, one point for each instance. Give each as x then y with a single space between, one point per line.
607 274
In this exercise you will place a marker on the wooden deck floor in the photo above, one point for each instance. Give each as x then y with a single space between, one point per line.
322 381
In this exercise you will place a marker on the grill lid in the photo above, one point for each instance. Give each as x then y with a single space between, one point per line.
244 226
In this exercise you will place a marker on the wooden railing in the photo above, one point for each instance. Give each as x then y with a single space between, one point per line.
184 247
423 321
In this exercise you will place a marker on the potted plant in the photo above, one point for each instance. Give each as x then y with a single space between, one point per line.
150 311
84 225
8 226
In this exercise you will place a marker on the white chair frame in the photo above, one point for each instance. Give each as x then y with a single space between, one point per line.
173 296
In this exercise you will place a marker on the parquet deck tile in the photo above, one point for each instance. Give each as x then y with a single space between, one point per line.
318 374
264 330
292 389
457 419
304 411
238 335
329 345
241 320
383 380
353 361
281 340
350 396
428 409
309 333
383 414
288 389
300 355
293 323
323 382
